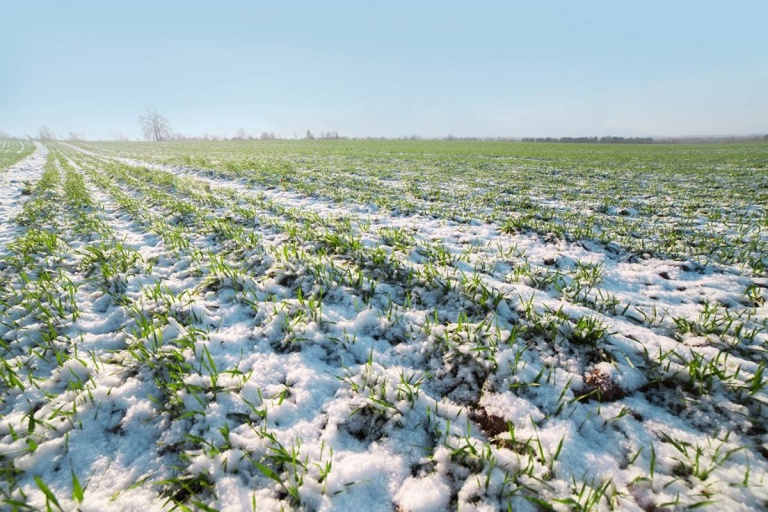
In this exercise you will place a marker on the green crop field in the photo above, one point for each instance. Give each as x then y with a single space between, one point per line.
383 325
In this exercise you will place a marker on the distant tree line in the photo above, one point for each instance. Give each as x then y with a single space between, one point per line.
712 140
608 139
156 127
332 135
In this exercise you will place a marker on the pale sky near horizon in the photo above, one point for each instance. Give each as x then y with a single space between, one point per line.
386 68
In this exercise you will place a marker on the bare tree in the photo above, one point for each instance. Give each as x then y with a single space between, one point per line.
154 125
241 134
45 134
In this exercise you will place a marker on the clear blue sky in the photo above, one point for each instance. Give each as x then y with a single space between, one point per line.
386 68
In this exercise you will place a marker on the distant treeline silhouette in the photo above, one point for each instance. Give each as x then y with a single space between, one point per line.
608 139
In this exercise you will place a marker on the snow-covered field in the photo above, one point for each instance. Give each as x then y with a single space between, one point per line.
333 329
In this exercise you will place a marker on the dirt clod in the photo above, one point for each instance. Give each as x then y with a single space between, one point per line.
601 386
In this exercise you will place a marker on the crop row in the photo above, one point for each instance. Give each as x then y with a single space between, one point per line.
11 151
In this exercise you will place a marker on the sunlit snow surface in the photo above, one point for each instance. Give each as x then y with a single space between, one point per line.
346 358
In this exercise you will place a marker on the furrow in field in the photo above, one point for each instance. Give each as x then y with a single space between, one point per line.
121 414
16 183
37 308
12 151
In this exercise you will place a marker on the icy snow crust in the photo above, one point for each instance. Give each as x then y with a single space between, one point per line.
186 336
